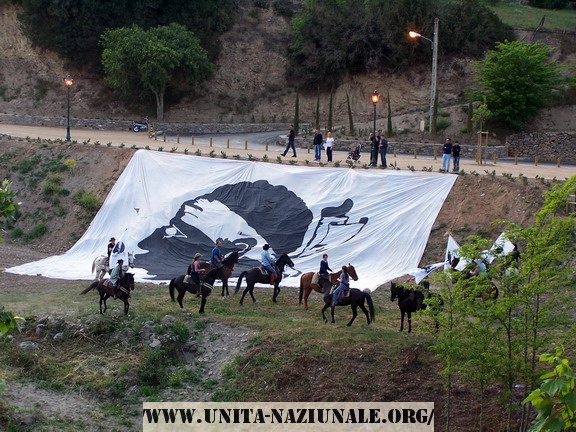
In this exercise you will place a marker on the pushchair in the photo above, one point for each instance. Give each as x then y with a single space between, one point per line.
354 154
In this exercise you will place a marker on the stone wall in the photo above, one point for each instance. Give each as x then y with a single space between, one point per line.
168 128
546 146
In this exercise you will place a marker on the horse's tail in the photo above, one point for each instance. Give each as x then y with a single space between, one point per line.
171 289
242 275
368 298
91 287
301 291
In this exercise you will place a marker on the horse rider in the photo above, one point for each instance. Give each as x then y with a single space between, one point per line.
194 269
323 272
111 244
267 261
216 255
116 274
344 280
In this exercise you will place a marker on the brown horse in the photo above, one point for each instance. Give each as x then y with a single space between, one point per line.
228 264
122 292
306 285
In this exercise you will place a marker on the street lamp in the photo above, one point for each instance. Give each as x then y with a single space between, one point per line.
68 82
434 43
374 149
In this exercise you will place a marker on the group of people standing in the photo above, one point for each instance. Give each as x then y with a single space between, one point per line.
382 145
451 151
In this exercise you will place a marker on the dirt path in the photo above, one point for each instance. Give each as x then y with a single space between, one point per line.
257 150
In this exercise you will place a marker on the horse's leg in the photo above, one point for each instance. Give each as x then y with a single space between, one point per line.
402 313
243 294
307 290
181 293
276 292
409 322
225 285
251 292
202 304
327 304
332 313
126 305
354 315
365 312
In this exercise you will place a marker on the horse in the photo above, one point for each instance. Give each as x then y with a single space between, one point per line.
204 289
306 285
228 263
411 300
100 264
126 284
255 275
355 299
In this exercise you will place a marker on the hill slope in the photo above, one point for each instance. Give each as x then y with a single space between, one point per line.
249 85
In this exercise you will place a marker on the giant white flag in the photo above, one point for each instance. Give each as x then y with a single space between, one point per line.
166 207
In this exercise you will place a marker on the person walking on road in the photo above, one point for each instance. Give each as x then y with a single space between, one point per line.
291 138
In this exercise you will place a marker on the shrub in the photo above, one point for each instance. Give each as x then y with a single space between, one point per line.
52 185
36 232
87 200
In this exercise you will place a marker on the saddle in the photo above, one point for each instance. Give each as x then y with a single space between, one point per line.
319 281
117 289
271 277
341 295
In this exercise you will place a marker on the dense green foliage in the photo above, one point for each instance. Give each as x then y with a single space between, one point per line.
73 28
8 204
555 399
333 37
519 79
166 56
491 341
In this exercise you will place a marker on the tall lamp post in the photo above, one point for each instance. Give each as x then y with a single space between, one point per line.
68 82
434 43
374 148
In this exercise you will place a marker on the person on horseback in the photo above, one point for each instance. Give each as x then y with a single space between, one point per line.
344 280
216 255
323 272
194 269
117 274
111 244
267 261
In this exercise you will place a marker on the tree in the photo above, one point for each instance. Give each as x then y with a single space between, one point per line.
518 80
137 60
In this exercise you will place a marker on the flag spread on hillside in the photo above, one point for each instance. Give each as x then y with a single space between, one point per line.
166 207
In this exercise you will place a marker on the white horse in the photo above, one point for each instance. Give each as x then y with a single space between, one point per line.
101 265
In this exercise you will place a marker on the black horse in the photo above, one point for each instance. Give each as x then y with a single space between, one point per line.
205 288
228 263
106 290
355 299
411 300
255 275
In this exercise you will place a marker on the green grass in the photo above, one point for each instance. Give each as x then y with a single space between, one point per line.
519 15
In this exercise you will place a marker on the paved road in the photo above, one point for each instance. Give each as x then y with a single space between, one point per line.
260 144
